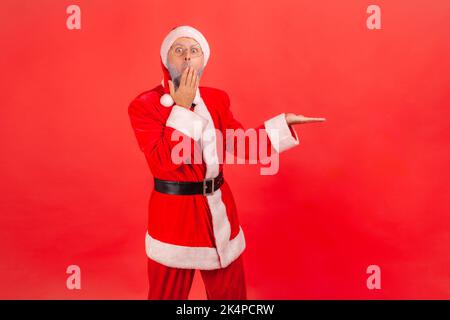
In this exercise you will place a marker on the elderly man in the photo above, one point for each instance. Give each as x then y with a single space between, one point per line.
192 217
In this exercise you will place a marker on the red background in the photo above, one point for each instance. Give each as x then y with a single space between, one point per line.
369 186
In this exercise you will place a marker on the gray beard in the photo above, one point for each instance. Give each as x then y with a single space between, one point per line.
175 75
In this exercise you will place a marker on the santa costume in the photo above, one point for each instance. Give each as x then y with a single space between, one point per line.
188 232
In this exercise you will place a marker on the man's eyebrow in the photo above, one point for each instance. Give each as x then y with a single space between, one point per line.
180 44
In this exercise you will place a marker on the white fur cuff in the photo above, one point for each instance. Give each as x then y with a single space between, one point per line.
187 122
279 133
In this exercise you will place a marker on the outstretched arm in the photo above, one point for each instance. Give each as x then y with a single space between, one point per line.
276 134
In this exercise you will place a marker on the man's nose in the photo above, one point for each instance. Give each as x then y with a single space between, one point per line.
187 55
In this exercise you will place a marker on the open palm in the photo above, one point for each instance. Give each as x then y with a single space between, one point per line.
292 118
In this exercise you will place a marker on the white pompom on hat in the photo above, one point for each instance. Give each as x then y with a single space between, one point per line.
178 32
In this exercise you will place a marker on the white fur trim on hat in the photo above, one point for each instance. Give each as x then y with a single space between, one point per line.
166 100
184 31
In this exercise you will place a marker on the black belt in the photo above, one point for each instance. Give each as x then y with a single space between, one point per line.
205 187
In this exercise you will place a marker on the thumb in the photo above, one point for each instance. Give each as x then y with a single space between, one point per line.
172 90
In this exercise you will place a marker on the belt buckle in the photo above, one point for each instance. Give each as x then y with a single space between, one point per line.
205 186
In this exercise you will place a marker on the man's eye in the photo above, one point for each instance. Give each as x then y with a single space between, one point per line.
178 50
194 50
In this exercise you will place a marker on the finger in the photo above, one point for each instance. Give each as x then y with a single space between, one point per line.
194 77
189 77
183 77
172 91
309 120
197 81
315 119
300 117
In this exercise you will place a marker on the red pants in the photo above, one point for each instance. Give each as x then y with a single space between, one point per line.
166 283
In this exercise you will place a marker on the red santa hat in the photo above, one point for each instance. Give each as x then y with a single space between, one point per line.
178 32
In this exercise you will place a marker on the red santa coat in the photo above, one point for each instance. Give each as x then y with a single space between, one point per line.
195 231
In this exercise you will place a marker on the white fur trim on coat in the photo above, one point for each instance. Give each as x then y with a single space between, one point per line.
186 121
279 133
184 257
